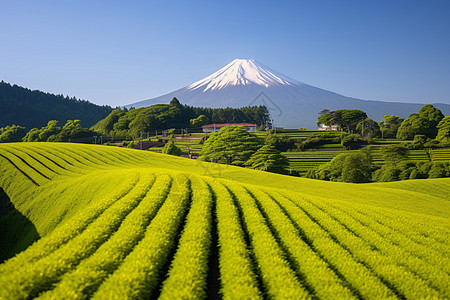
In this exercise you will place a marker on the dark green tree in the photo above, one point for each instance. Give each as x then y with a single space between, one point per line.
412 126
347 167
356 169
13 133
172 149
49 132
106 125
395 153
425 122
347 119
368 128
351 142
389 126
199 121
232 145
267 158
433 116
443 127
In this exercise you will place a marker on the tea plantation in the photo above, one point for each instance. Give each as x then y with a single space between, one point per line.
88 221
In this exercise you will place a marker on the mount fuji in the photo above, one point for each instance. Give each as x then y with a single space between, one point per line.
291 103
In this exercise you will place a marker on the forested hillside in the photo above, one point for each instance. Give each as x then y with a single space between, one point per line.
24 107
128 123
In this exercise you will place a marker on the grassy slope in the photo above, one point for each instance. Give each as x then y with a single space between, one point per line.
81 186
58 185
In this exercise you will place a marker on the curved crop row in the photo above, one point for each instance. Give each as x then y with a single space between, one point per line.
138 275
398 277
68 230
316 273
414 270
117 223
360 279
89 274
238 280
436 257
429 234
40 274
279 280
189 268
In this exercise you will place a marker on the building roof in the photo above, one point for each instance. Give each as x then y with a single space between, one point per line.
218 125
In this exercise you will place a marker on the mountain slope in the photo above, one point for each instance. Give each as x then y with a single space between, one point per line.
33 109
293 104
121 223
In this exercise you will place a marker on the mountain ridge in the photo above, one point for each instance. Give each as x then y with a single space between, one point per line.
295 104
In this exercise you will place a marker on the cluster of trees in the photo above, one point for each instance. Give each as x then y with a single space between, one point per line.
233 145
72 130
346 167
428 122
347 119
34 108
13 133
357 167
129 123
425 122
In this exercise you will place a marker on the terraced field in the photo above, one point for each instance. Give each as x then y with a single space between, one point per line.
128 224
303 161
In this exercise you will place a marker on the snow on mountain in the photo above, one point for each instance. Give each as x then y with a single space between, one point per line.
292 104
242 72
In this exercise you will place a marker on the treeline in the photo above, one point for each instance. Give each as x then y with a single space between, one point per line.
129 123
33 109
429 122
71 131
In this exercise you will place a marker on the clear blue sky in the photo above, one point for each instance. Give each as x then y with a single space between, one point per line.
119 52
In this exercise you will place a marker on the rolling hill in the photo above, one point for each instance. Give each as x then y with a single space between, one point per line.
111 223
292 104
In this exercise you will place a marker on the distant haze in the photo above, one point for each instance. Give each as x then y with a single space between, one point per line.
292 104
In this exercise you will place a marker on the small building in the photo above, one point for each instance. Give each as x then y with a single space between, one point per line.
216 127
327 128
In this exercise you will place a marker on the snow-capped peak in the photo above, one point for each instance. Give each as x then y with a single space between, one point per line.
242 72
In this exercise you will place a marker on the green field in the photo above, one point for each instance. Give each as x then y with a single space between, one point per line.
113 223
303 161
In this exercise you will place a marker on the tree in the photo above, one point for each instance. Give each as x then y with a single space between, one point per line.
368 128
13 133
267 158
232 145
389 126
411 126
433 116
281 142
395 153
72 130
356 169
419 141
175 102
32 135
351 142
200 121
172 149
443 127
425 122
324 117
346 118
347 167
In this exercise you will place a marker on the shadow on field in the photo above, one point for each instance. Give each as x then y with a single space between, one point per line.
16 231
